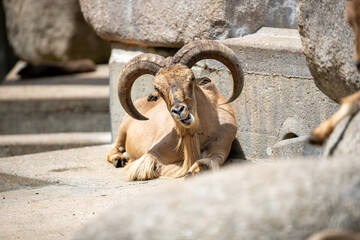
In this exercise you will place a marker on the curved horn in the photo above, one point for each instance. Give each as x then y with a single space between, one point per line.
209 49
136 67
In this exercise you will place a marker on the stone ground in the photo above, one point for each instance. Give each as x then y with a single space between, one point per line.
52 195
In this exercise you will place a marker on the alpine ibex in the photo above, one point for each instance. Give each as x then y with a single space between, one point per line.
190 126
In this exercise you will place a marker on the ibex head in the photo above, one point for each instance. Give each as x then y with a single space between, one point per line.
174 80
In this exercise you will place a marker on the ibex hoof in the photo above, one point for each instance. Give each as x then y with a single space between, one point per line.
118 163
190 175
118 159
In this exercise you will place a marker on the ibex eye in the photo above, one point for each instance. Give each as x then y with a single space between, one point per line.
204 81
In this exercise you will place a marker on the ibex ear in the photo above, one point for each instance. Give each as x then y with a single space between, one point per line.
202 81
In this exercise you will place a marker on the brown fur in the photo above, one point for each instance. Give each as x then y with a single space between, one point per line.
351 104
163 146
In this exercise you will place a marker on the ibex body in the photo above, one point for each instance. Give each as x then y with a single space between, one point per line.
351 104
190 126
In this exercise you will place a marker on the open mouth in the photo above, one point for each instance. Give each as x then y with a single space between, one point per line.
188 120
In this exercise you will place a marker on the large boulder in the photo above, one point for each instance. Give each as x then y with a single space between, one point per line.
279 201
328 44
46 31
173 23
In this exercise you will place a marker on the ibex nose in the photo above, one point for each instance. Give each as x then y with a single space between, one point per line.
177 110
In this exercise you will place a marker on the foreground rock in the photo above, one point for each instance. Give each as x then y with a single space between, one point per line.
284 200
328 44
174 23
45 31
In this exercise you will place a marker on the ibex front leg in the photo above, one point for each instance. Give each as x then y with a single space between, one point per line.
216 152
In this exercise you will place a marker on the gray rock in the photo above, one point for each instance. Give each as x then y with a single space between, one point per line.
174 23
285 200
328 44
45 30
345 139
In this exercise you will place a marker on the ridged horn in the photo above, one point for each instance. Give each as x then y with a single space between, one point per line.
143 64
209 49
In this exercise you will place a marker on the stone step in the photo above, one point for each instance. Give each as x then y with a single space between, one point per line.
71 103
20 144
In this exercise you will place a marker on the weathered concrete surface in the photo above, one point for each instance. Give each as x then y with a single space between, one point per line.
52 195
328 44
284 200
174 23
279 95
45 31
73 103
20 144
345 139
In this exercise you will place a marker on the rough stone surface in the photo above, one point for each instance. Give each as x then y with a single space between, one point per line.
175 23
279 95
328 44
345 140
284 200
45 30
